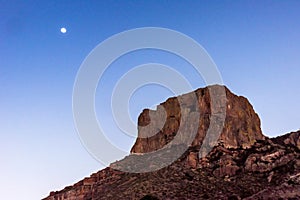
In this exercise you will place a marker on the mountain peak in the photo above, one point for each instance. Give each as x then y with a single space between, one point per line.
240 125
206 144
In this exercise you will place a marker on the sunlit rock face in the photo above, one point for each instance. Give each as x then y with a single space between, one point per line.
241 163
240 129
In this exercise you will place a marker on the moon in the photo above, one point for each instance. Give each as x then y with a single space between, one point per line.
63 30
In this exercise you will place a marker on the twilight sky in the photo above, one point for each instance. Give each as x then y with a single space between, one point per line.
254 44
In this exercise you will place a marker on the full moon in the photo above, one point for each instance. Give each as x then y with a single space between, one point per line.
63 30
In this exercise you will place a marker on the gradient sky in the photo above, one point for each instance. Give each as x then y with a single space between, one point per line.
255 45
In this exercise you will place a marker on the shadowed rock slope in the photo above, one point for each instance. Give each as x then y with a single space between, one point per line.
238 163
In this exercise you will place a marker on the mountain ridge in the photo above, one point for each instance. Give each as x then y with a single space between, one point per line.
238 163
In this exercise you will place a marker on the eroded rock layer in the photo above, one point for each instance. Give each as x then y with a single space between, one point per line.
242 164
241 126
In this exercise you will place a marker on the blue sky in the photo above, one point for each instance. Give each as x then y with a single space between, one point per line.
255 45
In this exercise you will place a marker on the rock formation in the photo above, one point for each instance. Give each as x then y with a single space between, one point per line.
241 164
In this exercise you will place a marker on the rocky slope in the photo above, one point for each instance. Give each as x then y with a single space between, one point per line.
238 163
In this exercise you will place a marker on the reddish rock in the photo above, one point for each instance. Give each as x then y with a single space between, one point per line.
241 126
192 159
289 139
243 164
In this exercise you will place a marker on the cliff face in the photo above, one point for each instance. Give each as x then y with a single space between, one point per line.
242 164
241 126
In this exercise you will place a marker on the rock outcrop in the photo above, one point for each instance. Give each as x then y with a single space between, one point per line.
241 164
241 126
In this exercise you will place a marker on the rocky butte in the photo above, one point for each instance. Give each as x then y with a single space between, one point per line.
214 148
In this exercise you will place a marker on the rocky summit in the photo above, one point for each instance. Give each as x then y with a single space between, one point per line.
206 144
